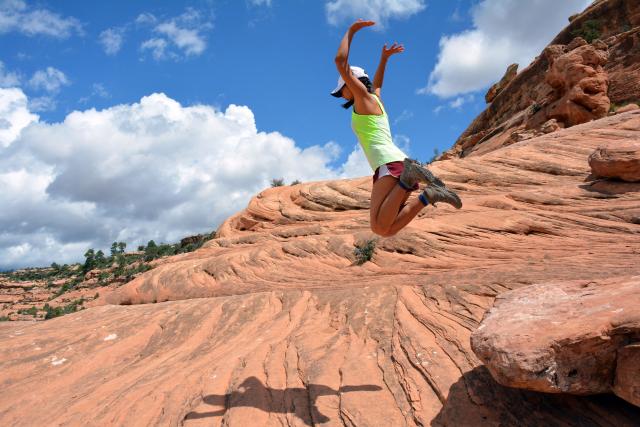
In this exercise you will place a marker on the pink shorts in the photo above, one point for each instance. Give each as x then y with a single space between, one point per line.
393 168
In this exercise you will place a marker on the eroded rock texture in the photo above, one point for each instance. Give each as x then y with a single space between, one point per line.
562 337
272 322
622 162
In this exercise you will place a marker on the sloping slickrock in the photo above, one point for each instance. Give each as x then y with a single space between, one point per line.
271 323
561 337
621 162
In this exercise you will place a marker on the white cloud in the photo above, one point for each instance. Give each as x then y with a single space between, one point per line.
99 90
111 40
16 16
14 115
42 103
380 11
134 172
8 78
146 18
51 79
156 46
184 33
504 32
260 3
404 115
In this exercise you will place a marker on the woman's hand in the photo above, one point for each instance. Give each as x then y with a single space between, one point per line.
395 48
360 24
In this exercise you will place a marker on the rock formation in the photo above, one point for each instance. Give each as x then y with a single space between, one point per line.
494 90
521 105
579 83
564 337
617 161
273 323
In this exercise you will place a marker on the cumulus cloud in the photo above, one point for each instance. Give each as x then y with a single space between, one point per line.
14 115
16 16
504 32
111 40
380 11
50 79
176 37
134 172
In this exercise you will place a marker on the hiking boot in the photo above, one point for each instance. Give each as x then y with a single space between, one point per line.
435 194
415 172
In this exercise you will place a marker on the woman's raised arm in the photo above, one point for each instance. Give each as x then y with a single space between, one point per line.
384 57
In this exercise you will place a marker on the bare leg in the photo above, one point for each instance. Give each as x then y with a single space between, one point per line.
388 209
406 214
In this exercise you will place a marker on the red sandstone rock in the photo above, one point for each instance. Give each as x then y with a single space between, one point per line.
509 75
622 162
627 108
562 337
271 323
580 84
627 381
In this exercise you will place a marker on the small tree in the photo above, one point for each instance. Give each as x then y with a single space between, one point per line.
296 182
89 261
121 247
100 258
277 182
114 249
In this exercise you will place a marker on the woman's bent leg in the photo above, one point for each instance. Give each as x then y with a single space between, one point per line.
388 210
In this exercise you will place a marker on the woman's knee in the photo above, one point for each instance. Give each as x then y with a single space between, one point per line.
382 232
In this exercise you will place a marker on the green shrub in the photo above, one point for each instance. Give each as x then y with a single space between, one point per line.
364 251
277 182
4 319
296 182
31 311
72 307
589 31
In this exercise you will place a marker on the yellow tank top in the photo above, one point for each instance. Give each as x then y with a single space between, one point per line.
374 135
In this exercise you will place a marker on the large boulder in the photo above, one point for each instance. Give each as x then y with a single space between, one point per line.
564 337
622 162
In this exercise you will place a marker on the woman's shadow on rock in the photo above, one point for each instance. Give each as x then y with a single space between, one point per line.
297 400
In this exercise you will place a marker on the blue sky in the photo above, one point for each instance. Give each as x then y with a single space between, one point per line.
138 120
277 59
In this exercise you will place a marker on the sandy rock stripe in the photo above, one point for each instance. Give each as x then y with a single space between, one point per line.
273 324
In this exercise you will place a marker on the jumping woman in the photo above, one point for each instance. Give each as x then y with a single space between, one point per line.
395 176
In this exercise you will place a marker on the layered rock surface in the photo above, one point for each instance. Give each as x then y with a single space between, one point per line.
564 337
617 161
272 322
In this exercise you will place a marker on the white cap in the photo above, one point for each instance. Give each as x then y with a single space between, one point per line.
356 71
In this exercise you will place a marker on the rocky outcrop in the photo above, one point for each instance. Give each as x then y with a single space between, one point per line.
579 83
621 162
522 104
273 322
494 90
564 337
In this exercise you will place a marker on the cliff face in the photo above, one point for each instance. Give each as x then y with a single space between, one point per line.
572 81
273 323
